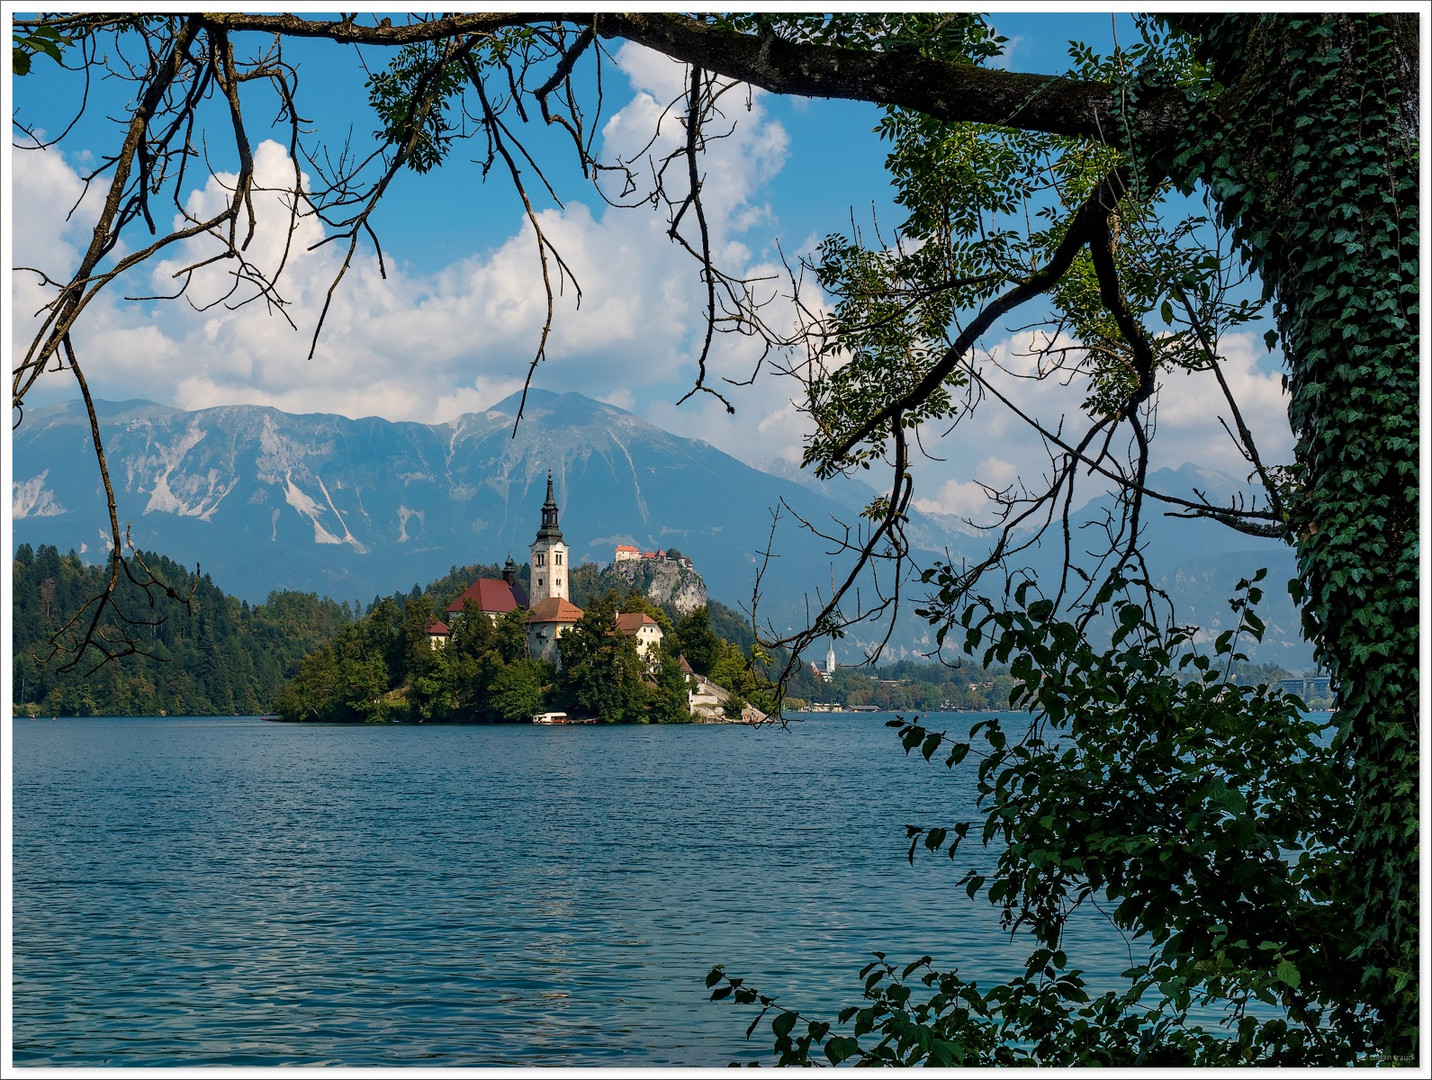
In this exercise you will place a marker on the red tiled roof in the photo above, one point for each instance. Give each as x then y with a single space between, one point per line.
554 610
628 547
492 595
435 627
630 623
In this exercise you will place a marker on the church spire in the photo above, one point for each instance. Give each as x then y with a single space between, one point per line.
549 554
550 532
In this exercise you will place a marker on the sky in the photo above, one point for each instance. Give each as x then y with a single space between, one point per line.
452 327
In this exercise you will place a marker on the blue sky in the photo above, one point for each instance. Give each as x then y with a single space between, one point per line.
453 328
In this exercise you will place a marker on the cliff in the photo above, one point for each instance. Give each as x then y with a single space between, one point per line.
665 582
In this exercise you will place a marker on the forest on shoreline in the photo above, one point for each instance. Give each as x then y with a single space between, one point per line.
304 656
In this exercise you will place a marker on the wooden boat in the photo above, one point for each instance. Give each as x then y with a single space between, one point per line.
550 718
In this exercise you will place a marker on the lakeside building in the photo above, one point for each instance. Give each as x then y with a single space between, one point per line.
492 596
646 630
708 701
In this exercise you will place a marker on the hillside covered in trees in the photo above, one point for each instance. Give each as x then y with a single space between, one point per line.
308 657
214 656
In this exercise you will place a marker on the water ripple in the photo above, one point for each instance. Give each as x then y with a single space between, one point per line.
228 892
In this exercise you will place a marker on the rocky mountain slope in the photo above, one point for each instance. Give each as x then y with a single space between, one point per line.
357 508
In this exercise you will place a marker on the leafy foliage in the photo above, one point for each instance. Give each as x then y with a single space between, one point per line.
44 39
411 98
1203 817
1317 177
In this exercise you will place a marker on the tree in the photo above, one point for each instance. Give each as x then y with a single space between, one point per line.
1300 132
697 641
601 672
519 689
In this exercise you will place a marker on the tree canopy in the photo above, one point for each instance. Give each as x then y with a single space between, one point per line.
1055 198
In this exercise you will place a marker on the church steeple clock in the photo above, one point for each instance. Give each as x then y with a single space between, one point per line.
549 554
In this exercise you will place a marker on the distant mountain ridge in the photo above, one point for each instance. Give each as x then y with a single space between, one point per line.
352 509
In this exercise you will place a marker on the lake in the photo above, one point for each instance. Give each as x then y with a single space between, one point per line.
200 891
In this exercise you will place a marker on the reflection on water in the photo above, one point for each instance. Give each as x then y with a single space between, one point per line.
230 892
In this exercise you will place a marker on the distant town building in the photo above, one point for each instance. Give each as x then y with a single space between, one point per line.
626 553
1307 686
824 674
439 633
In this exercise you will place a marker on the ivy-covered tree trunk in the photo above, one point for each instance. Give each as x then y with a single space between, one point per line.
1312 152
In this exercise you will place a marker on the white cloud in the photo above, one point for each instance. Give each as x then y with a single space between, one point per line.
424 346
968 499
429 346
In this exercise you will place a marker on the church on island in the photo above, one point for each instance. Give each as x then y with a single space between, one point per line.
551 613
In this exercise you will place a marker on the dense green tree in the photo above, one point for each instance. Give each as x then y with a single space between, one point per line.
697 641
202 652
667 698
519 689
601 672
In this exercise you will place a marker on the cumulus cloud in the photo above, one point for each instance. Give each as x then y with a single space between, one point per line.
970 499
428 345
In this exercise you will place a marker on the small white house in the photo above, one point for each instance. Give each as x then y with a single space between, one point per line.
645 629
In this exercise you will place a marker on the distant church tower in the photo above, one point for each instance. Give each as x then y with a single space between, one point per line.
549 554
830 659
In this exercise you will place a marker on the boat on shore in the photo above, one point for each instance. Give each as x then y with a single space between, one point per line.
562 718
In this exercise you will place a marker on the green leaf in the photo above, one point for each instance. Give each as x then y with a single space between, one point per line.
1288 974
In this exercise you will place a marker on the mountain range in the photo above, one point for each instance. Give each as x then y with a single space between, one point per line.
352 509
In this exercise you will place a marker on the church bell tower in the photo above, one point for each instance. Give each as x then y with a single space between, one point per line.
549 554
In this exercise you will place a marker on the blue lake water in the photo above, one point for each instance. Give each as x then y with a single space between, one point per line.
232 892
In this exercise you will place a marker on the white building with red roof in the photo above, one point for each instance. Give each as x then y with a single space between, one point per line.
645 629
548 620
439 633
494 597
